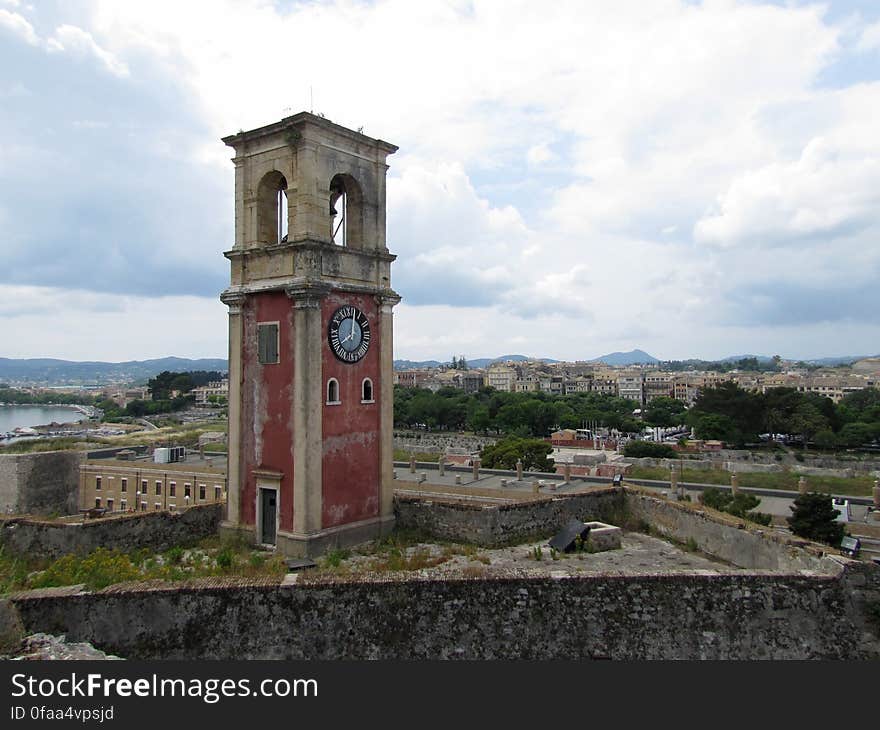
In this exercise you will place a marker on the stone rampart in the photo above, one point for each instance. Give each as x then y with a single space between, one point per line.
682 616
152 530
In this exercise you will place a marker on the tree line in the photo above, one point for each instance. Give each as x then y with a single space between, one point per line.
519 414
169 391
725 412
734 415
23 397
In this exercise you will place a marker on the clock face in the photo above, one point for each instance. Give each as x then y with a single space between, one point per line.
349 334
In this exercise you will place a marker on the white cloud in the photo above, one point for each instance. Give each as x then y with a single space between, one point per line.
869 40
77 324
19 26
600 164
830 190
539 154
74 40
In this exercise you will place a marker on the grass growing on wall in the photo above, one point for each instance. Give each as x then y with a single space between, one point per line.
57 444
855 486
103 567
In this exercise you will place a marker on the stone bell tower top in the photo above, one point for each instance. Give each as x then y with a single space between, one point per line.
309 206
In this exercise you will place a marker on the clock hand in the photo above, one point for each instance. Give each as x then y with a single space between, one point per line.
350 333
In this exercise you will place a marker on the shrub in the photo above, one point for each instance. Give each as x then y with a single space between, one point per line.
639 449
225 558
334 558
175 555
738 506
813 517
504 454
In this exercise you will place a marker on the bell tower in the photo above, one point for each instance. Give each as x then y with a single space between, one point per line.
310 338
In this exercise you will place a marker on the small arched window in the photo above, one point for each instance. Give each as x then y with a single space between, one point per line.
333 392
367 391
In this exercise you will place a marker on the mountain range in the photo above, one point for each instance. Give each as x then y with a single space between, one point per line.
52 372
633 357
49 371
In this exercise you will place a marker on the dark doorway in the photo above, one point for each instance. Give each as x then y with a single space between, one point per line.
268 510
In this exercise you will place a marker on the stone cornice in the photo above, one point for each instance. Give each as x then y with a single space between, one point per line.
308 245
301 120
299 286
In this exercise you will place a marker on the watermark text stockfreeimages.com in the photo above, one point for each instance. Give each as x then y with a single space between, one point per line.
209 690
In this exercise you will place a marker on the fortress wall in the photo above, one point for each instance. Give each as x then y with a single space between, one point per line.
707 616
152 530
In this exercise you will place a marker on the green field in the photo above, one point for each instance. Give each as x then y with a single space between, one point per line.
855 486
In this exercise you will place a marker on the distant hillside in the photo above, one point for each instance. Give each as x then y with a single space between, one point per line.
478 363
416 364
47 371
832 361
825 361
633 357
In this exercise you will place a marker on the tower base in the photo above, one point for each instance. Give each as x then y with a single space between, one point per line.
314 544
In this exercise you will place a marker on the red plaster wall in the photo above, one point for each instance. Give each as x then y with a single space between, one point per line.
266 419
351 469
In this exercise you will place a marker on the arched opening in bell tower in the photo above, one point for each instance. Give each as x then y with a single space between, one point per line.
272 208
346 211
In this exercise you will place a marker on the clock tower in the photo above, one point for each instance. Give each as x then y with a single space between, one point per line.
310 338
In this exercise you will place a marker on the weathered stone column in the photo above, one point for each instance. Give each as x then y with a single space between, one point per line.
802 485
566 472
308 401
441 465
412 464
307 204
673 479
386 414
876 493
734 484
519 470
234 479
476 469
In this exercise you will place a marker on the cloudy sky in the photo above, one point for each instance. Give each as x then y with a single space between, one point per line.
697 179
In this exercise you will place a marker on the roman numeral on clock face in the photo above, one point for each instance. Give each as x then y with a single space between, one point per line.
348 333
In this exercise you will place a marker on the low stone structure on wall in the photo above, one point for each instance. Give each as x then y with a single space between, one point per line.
157 531
41 483
493 525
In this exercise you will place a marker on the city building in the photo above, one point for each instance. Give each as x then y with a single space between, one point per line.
141 485
214 392
631 386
